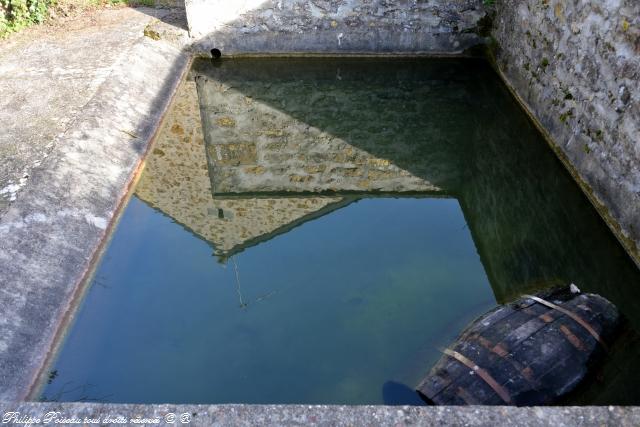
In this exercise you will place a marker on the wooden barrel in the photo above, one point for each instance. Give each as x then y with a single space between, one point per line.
529 352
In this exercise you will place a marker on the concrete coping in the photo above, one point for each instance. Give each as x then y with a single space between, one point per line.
32 413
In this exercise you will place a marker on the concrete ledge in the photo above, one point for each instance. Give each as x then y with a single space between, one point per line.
51 235
317 415
53 232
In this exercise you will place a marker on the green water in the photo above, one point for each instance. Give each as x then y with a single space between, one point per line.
348 305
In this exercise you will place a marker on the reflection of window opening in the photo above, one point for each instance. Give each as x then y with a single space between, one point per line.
220 214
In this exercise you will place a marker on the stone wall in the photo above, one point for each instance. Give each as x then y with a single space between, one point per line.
576 65
336 125
370 26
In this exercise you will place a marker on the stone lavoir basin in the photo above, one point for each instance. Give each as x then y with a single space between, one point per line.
317 230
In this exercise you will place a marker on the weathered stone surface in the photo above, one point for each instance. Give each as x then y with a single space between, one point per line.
45 84
323 415
334 25
339 125
53 230
577 67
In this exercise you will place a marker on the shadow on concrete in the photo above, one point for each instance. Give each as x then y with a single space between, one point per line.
172 13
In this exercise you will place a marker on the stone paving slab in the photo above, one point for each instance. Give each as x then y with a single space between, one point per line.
78 124
317 415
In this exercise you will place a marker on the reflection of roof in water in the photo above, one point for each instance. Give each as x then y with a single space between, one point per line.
176 182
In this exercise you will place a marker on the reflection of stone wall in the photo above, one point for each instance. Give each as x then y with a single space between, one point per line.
577 65
334 25
447 125
333 125
531 225
176 182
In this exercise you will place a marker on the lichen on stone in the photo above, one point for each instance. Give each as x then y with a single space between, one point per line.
151 33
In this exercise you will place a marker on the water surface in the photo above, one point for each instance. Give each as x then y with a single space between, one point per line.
313 231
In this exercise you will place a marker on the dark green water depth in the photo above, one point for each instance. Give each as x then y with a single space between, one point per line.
350 305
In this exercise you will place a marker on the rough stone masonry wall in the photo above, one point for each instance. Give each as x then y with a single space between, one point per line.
576 64
366 26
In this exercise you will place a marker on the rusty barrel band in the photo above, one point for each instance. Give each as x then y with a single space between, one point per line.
491 382
572 315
